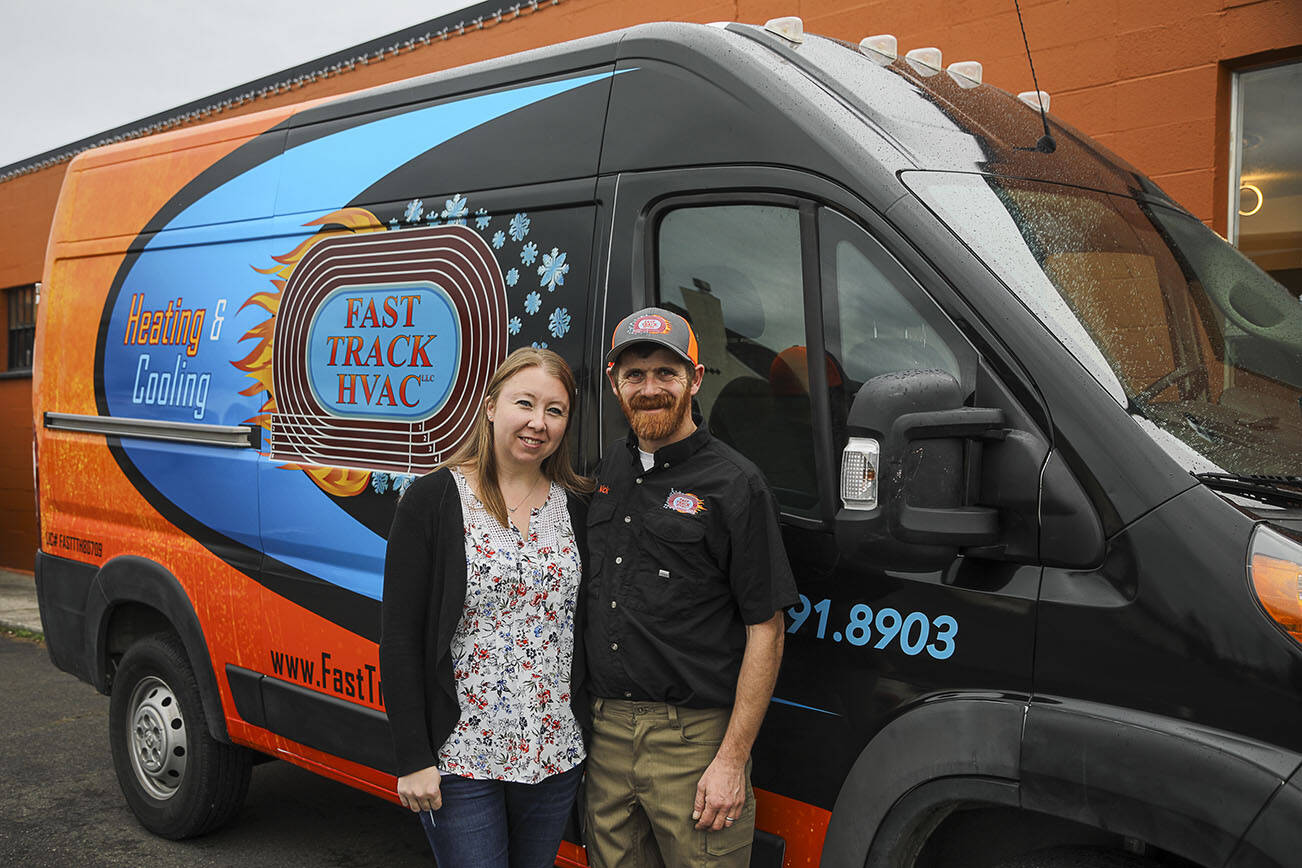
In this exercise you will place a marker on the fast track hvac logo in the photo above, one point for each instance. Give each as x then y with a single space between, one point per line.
684 502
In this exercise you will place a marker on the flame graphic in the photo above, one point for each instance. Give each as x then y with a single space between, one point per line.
339 481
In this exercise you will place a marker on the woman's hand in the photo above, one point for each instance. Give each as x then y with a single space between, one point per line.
419 791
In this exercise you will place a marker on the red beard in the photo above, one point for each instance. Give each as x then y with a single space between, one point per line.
656 426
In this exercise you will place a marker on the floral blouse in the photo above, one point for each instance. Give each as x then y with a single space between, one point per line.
512 650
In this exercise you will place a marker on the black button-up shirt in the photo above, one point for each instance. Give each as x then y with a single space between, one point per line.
682 557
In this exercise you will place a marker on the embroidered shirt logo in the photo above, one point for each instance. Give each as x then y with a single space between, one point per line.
684 502
604 489
650 325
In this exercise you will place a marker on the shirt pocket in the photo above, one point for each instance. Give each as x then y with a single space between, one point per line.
600 510
674 565
673 529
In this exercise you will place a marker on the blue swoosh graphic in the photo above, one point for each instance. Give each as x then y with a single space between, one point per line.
805 707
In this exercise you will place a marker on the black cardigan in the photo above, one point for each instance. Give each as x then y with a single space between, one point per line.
424 595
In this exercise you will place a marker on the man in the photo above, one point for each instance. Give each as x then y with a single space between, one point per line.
688 579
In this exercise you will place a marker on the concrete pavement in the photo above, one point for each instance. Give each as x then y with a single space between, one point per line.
18 608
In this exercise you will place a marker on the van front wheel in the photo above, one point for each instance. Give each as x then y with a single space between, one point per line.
178 780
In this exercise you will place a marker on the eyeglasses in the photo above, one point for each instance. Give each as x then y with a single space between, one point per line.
637 376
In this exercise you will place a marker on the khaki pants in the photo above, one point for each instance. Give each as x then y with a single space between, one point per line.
643 766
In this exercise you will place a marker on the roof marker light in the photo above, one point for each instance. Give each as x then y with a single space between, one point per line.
790 28
882 49
1033 98
925 61
966 72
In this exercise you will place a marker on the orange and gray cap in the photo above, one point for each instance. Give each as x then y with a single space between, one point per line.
654 325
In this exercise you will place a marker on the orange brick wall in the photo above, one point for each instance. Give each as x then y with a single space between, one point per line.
1148 79
26 208
17 515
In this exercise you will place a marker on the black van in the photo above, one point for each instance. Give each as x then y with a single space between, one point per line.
1035 431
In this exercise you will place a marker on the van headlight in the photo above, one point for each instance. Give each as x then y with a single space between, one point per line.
1275 568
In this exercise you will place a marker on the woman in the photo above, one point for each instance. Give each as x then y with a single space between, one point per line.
478 646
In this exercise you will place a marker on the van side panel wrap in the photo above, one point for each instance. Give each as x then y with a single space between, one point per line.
402 332
193 309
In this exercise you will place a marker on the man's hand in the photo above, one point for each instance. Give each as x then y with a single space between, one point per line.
419 791
720 794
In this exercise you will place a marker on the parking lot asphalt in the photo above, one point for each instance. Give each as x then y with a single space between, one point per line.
60 804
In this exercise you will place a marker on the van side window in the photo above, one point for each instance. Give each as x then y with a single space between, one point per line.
871 326
734 272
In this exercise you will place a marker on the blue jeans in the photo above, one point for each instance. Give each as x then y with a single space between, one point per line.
496 824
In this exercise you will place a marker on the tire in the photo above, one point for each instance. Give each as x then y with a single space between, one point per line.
177 779
1077 857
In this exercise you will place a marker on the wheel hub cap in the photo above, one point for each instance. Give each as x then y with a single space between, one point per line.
158 741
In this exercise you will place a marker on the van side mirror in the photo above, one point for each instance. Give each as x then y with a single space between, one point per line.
903 473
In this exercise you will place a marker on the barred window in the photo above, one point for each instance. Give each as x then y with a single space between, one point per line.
21 304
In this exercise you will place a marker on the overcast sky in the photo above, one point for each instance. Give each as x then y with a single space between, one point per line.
73 68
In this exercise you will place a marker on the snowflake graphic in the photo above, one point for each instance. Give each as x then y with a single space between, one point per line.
559 322
520 226
532 302
482 219
499 238
379 482
415 208
513 277
514 325
456 209
432 218
539 345
402 483
553 270
394 222
529 253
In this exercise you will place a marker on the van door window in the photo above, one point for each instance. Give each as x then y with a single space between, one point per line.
735 272
873 318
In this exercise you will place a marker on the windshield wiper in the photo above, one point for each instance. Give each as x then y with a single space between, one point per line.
1279 490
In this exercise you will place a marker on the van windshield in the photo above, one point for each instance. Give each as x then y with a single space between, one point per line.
1196 341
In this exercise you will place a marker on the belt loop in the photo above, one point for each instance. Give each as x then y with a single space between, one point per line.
673 715
596 705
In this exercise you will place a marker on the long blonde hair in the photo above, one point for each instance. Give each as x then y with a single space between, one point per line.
476 451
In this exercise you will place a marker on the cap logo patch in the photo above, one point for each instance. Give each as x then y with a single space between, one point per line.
684 502
650 325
